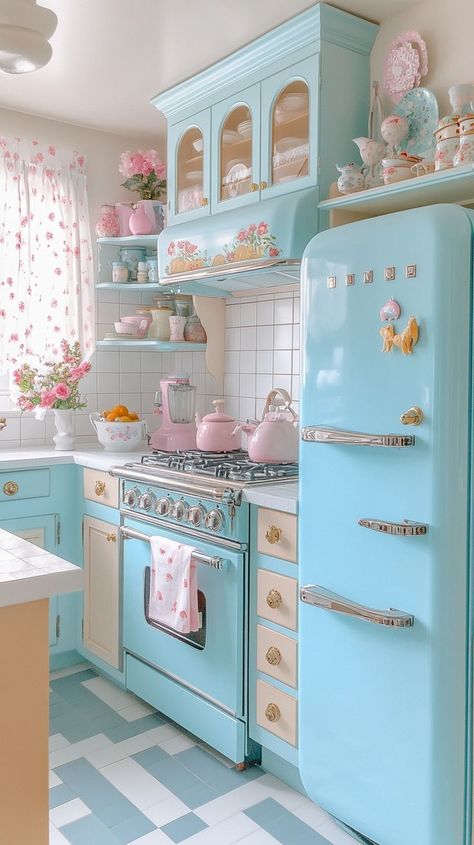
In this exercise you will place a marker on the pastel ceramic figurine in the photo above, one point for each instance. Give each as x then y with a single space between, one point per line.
461 97
394 128
371 153
351 178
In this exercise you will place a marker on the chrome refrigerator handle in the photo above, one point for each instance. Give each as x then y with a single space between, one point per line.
322 434
320 597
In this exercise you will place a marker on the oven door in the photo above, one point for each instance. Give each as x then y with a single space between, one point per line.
210 661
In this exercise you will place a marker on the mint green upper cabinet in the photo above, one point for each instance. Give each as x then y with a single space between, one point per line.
289 136
235 150
189 168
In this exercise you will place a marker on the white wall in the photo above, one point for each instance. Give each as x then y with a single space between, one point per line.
447 29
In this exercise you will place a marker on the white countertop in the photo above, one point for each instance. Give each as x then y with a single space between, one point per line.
28 573
283 497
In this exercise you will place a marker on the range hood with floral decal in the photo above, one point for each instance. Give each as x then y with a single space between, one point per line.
251 247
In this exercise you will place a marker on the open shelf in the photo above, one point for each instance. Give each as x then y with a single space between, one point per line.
455 185
147 345
132 240
129 286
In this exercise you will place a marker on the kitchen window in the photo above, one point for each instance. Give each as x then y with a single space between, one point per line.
46 270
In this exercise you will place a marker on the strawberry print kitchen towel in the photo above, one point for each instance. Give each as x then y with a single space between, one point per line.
173 588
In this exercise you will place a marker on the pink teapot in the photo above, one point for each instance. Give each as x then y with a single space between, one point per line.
275 439
217 432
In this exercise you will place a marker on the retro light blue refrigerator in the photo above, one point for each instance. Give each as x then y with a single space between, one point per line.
386 527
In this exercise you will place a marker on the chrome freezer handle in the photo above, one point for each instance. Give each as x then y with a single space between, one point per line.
208 560
320 597
321 434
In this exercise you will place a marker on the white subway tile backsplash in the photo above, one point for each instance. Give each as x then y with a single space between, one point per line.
232 315
108 361
296 362
282 380
232 339
32 429
247 409
108 383
248 314
264 337
295 387
231 384
150 362
149 383
247 385
265 310
248 337
231 362
128 382
108 312
129 361
265 361
133 401
263 385
247 363
283 337
296 337
283 311
282 361
107 401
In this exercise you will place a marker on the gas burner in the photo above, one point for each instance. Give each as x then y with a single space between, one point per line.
234 466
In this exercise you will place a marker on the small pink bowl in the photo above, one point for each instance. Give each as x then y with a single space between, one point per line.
132 329
135 319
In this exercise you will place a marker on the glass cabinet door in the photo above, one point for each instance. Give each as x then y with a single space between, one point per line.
236 153
188 184
289 132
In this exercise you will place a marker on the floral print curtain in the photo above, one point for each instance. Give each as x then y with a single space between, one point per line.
46 269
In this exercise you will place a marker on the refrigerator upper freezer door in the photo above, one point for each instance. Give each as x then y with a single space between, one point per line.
382 706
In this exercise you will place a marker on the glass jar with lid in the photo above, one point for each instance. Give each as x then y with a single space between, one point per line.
119 272
160 327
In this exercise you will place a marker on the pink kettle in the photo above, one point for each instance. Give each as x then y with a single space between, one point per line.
217 432
275 439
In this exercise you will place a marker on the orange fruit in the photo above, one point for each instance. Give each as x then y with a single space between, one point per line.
124 418
105 414
133 416
120 411
111 417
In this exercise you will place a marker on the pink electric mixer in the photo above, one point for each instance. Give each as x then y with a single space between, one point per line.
174 402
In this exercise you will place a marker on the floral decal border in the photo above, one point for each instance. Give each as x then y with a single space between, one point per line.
253 242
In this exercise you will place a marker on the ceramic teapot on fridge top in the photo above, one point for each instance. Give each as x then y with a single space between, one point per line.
275 439
217 432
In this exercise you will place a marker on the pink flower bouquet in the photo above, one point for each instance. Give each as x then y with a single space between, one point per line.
144 172
55 384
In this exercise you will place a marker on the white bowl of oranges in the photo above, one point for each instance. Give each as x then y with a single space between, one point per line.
118 429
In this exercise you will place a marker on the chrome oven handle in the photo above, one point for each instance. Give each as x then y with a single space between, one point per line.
320 597
322 434
208 560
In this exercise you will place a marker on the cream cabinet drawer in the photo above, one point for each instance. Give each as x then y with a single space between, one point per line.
277 534
101 487
277 598
277 655
277 712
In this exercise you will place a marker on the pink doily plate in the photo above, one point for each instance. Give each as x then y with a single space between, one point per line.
405 64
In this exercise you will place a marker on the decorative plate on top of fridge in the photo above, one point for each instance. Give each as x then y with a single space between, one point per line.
420 107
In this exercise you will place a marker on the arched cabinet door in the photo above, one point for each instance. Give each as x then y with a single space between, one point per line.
189 158
236 150
289 137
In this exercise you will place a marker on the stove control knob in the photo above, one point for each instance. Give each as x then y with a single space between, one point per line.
196 515
163 506
215 520
180 510
147 501
130 498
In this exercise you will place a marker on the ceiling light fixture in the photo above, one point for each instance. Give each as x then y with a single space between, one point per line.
25 30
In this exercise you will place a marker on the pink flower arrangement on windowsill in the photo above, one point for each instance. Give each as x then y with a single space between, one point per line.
144 172
55 384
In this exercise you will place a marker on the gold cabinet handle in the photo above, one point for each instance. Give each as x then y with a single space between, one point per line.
272 712
10 488
273 534
204 201
273 655
111 538
254 186
274 599
414 416
99 488
263 185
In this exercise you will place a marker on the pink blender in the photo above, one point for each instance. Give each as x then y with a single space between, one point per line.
174 402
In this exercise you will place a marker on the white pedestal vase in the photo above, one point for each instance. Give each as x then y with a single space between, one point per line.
64 437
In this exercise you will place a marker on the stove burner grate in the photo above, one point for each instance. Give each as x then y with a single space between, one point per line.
234 466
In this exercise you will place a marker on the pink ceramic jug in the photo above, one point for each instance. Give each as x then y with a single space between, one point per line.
217 432
275 439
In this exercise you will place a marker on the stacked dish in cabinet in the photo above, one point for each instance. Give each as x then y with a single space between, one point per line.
274 638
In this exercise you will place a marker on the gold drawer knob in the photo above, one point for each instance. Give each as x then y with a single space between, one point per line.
273 534
272 712
263 185
254 187
274 599
10 488
99 488
273 655
204 201
414 416
111 538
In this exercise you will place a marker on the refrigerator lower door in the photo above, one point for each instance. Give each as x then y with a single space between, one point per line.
384 527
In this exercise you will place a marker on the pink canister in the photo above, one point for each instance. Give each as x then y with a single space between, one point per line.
123 211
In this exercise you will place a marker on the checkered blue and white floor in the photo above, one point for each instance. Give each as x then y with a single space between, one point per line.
123 774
